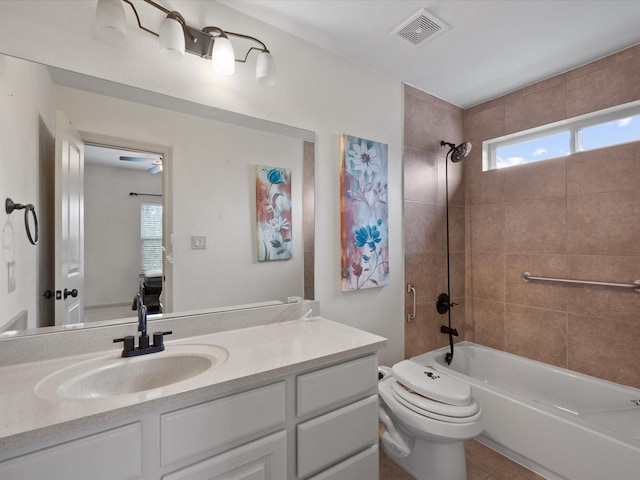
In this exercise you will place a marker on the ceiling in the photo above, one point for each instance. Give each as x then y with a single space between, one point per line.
111 157
491 47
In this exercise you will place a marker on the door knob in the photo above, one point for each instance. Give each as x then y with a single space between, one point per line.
73 293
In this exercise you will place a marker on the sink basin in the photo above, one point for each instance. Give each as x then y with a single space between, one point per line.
111 376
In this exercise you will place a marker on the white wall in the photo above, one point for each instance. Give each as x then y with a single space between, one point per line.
112 231
26 100
316 90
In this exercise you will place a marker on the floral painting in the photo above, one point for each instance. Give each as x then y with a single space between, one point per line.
273 210
364 213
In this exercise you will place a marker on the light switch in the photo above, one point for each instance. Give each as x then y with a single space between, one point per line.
198 243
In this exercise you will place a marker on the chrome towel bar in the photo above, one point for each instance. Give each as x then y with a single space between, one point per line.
528 277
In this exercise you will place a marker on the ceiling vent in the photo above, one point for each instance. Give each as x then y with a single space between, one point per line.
420 27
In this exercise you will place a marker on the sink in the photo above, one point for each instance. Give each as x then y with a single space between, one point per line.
113 376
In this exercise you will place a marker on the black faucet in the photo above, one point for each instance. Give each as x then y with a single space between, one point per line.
144 348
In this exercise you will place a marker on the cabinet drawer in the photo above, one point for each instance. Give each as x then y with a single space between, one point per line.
364 465
264 459
322 388
201 428
112 455
337 435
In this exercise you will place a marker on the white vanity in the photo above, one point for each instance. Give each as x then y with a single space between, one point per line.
293 399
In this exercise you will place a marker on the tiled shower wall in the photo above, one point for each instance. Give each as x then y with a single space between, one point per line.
575 217
428 120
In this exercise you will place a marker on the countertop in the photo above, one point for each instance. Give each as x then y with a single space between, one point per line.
256 355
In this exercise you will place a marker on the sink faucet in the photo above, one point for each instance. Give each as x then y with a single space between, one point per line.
142 323
144 348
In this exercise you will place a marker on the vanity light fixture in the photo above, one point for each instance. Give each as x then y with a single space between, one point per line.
176 38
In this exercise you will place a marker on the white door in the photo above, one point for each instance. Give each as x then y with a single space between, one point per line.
69 224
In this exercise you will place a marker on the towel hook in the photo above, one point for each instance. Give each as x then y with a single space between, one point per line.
10 206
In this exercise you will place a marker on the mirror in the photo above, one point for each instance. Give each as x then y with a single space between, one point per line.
210 159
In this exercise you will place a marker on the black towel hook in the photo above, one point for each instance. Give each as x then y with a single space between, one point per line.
10 206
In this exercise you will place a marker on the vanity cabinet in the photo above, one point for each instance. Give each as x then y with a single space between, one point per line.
331 443
114 454
315 424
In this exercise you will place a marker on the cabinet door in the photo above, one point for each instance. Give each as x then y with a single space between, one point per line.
264 459
364 465
337 435
212 425
112 455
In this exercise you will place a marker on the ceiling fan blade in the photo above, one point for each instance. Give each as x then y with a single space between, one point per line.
136 159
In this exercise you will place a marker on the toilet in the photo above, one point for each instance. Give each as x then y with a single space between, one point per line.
427 416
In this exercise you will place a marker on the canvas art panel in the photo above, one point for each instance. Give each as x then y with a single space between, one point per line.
364 213
273 212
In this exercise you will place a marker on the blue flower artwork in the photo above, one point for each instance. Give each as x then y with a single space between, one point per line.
273 210
364 213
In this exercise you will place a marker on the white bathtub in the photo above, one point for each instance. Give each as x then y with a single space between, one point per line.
559 423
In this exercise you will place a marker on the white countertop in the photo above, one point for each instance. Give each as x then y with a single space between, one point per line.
256 354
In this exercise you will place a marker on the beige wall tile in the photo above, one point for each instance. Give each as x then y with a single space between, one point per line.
420 176
457 264
488 277
536 226
546 105
609 303
487 228
484 122
614 84
608 169
456 229
536 294
537 334
547 179
424 228
605 349
604 223
488 323
593 225
482 187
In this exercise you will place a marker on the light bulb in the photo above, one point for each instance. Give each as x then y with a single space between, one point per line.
266 69
223 59
171 38
110 19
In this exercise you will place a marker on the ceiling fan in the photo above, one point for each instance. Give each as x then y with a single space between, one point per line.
156 164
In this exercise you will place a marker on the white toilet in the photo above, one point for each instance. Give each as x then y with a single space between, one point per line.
427 416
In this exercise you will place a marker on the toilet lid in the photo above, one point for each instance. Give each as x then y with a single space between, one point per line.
431 383
436 410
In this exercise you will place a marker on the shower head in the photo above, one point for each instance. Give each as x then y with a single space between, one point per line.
457 153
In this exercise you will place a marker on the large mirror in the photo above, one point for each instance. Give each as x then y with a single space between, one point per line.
201 203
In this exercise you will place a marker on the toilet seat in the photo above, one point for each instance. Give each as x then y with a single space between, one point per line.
433 409
431 383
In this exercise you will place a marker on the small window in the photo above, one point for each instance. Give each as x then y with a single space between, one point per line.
622 130
150 236
542 148
605 128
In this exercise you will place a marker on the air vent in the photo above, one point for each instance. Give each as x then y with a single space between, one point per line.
421 27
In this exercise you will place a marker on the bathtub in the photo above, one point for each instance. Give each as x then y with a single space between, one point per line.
558 423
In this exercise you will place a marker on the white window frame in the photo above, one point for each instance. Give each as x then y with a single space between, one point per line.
142 204
572 125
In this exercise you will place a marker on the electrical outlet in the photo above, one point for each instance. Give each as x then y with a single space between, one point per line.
11 276
198 243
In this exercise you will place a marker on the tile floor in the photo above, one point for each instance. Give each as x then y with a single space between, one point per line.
482 464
